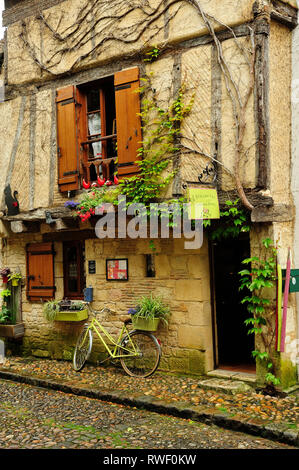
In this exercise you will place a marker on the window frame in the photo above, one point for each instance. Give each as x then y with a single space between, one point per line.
73 144
104 160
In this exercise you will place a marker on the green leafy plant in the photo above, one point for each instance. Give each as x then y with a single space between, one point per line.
14 276
50 309
161 129
5 294
150 307
258 279
5 314
77 306
234 220
152 55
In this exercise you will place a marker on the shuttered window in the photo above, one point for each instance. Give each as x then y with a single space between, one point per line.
127 103
40 271
70 131
77 159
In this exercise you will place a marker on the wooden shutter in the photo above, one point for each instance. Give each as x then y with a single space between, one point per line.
40 271
128 123
71 124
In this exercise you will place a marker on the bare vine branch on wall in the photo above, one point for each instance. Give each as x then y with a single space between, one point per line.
121 23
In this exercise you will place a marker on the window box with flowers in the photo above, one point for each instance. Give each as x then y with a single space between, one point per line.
65 310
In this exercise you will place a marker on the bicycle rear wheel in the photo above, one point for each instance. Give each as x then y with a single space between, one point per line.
149 354
82 349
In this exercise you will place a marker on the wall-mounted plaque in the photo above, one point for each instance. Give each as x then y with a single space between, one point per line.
117 269
91 267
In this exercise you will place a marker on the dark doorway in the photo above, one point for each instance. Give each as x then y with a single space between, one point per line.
234 345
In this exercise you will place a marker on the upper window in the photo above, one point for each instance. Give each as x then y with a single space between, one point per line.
100 145
98 129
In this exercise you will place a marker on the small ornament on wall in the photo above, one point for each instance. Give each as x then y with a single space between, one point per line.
11 201
91 267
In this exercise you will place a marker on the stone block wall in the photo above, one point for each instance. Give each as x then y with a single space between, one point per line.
182 279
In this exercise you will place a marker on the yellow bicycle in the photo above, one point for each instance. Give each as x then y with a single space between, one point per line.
139 351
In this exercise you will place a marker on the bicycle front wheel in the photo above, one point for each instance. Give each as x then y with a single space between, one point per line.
149 354
82 349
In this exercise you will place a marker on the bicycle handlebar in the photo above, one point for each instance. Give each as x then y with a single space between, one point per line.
96 312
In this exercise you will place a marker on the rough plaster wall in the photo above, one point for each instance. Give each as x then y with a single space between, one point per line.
280 112
232 12
9 111
196 128
292 3
182 278
60 56
21 174
240 73
42 149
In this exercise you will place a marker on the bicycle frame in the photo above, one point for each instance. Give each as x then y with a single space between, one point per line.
95 324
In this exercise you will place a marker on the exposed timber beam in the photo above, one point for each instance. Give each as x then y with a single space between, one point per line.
277 213
284 13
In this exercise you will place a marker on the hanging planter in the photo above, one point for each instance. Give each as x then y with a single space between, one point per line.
65 311
15 278
148 313
4 273
69 315
145 324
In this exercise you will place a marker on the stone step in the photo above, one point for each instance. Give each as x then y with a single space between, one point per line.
233 375
226 385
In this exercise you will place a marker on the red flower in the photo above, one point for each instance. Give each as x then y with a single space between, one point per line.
15 204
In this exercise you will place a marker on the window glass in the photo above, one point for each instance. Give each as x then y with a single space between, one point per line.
74 269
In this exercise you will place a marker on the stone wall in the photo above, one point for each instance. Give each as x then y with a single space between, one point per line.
182 279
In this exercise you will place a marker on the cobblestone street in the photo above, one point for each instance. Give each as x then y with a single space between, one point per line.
33 418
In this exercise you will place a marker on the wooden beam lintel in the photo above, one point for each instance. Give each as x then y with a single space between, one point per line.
276 213
18 226
39 215
285 14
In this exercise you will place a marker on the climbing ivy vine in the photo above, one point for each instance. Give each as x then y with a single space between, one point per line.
258 279
234 220
161 128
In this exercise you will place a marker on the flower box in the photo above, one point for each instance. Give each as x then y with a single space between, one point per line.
72 315
12 331
145 324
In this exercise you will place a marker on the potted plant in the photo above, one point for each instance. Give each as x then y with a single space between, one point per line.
8 326
5 294
15 278
4 273
150 310
50 309
5 314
